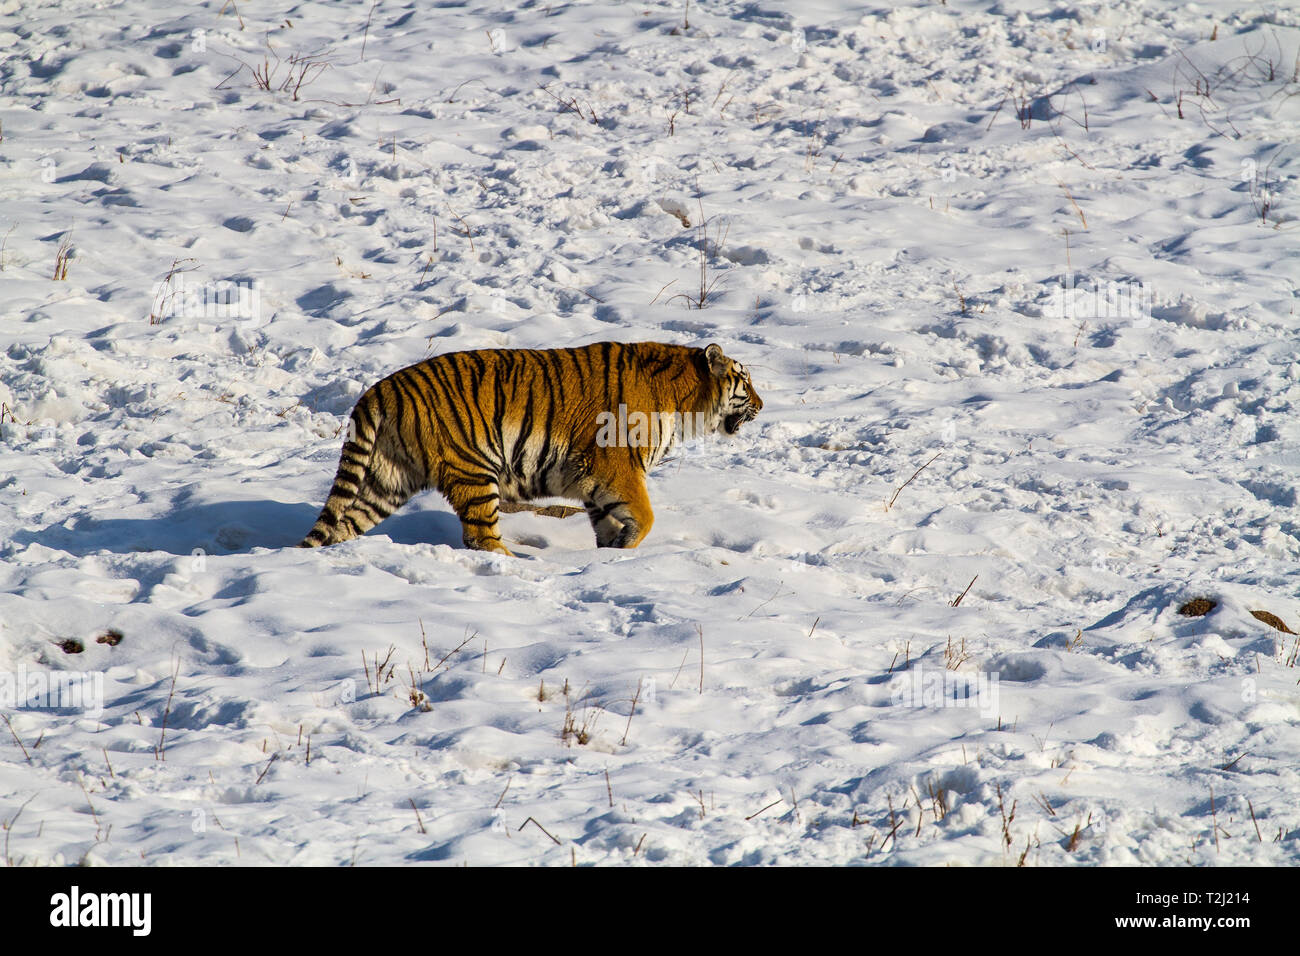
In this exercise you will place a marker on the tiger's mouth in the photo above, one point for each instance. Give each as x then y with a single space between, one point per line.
731 424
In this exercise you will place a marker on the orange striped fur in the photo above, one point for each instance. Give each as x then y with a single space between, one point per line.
516 424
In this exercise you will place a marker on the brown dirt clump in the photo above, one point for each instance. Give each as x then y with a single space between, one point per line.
547 511
1272 620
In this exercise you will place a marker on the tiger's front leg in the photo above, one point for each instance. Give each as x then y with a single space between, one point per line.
620 513
478 507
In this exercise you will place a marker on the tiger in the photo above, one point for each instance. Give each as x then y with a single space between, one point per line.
488 426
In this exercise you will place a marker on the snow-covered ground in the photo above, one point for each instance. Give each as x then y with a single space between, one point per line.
894 197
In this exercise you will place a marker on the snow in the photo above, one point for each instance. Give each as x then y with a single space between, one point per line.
897 200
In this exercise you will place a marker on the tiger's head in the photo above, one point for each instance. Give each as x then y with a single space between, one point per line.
737 401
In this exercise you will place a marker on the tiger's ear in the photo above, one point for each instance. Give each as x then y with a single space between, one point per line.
717 361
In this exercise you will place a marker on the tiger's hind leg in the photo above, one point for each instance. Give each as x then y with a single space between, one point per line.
372 482
620 512
374 502
357 513
478 507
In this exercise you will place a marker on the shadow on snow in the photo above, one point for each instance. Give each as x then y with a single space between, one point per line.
224 528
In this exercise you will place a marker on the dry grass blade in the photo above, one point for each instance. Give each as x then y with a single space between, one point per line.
62 256
274 757
93 815
364 37
628 728
162 303
4 242
1007 818
571 730
701 298
8 827
894 824
375 683
160 752
454 650
1082 218
417 815
5 718
957 601
954 656
700 629
540 827
468 233
899 489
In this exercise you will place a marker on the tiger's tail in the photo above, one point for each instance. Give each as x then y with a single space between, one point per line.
354 504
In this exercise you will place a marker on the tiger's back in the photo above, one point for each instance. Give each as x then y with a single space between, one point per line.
517 424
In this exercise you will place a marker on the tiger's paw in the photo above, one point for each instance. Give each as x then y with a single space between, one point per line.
625 535
488 544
